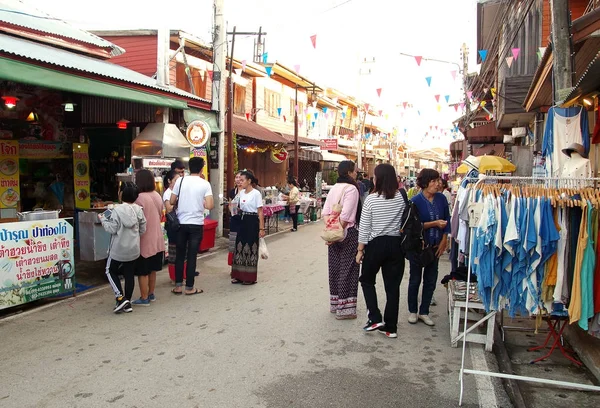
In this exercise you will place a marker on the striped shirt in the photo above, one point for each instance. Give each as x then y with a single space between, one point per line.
380 217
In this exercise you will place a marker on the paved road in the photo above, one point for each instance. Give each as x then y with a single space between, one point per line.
273 344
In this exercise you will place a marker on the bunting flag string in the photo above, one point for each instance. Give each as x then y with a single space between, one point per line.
418 59
483 55
470 94
278 111
268 69
428 79
509 61
456 108
447 97
265 57
325 109
313 40
244 62
238 71
437 98
453 73
515 52
210 75
379 92
316 115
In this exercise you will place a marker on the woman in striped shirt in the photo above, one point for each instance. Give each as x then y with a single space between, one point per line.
379 248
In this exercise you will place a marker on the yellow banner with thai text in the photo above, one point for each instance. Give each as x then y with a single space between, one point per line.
9 174
81 176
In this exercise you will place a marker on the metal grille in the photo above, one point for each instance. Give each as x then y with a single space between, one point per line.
97 110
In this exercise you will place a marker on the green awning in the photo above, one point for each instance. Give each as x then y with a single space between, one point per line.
210 117
23 72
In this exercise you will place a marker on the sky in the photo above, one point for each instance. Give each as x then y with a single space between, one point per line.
347 32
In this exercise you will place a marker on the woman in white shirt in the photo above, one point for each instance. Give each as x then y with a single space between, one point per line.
293 198
252 227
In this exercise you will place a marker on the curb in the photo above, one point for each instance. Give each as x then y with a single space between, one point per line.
505 365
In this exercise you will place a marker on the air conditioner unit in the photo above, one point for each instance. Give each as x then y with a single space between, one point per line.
519 131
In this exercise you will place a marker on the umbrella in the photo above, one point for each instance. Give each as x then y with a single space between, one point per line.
486 163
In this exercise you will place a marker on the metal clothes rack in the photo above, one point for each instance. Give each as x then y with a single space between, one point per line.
463 370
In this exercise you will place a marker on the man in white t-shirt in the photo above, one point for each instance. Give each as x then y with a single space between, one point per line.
193 195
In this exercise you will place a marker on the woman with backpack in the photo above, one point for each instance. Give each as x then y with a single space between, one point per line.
379 248
343 269
434 213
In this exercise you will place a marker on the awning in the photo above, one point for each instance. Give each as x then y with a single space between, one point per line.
35 58
246 128
306 141
332 157
308 154
589 82
22 72
210 117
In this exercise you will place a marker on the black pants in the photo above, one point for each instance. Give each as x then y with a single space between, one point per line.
188 240
112 273
295 217
383 253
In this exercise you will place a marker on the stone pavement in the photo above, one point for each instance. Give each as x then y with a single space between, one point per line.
273 344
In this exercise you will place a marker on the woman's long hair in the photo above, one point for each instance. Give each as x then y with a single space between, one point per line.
344 169
386 183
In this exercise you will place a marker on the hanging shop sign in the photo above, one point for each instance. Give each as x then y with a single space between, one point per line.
279 155
9 174
201 152
157 163
42 149
36 261
330 144
197 133
81 176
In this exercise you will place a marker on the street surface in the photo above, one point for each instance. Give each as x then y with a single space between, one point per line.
273 344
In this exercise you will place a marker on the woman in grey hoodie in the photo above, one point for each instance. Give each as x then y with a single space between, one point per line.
126 223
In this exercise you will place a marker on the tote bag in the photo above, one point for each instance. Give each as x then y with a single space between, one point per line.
334 231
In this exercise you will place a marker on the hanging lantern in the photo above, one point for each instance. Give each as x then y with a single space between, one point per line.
69 106
10 101
122 124
32 117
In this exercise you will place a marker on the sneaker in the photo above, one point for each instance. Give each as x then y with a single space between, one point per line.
141 302
121 303
427 320
294 229
391 335
127 308
433 302
151 297
412 318
370 326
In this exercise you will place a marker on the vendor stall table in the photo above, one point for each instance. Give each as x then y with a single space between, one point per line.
270 212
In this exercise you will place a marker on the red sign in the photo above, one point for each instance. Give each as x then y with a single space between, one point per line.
330 144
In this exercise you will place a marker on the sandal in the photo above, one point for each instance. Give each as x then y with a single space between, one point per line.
248 283
235 281
176 292
195 292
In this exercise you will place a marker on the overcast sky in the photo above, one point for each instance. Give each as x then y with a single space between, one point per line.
348 31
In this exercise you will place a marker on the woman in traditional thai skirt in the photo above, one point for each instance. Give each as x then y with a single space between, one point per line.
252 227
234 220
343 269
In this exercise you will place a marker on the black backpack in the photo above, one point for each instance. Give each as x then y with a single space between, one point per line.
411 229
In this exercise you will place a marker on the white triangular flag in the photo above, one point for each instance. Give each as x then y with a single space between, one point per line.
542 50
509 61
238 71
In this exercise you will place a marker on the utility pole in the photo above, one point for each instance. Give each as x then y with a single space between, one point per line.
230 100
562 68
360 138
218 105
465 72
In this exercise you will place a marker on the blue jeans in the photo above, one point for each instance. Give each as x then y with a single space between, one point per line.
428 275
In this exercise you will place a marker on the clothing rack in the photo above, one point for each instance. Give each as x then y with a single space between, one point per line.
463 370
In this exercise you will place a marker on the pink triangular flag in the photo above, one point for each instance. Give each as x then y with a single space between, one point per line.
436 128
297 69
313 40
418 58
437 98
456 108
210 75
453 73
470 94
462 105
238 71
379 92
380 112
367 107
243 65
515 52
404 104
247 116
509 61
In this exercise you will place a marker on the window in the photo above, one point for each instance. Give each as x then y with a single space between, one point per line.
272 102
239 100
293 109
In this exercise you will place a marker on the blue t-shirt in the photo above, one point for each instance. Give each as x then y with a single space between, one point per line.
433 211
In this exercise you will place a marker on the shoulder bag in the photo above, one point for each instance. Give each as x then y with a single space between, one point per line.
334 231
173 223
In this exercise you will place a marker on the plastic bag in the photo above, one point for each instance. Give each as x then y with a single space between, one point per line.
263 252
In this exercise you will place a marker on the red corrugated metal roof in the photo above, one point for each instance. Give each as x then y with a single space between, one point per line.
303 140
243 127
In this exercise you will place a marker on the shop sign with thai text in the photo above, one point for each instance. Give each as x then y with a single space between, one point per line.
36 261
9 174
330 144
42 149
81 176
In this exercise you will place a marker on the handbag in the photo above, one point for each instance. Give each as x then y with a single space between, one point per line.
334 231
173 223
427 255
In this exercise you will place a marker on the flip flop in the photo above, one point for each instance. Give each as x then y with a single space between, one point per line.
195 292
236 281
173 291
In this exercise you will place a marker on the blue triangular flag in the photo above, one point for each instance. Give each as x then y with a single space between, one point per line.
447 98
428 79
404 130
279 111
316 115
265 57
419 112
343 115
313 123
268 69
483 54
325 109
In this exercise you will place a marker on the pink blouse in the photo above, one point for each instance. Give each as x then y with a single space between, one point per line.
349 202
153 241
